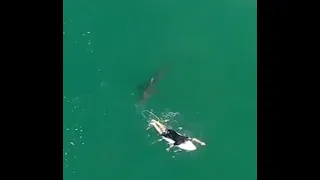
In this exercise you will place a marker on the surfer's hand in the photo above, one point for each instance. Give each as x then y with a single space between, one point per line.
202 143
153 121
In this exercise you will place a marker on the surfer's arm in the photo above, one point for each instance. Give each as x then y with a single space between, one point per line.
160 126
171 145
198 141
156 127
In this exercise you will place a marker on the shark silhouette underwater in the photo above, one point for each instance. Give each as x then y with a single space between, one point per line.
148 88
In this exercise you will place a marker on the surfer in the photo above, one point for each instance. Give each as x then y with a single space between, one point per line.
174 138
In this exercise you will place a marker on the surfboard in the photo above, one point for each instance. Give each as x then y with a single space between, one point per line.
188 145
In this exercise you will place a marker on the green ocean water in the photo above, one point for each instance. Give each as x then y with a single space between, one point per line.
110 47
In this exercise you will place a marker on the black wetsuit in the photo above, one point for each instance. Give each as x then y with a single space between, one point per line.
177 138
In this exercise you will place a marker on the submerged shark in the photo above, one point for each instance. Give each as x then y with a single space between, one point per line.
148 88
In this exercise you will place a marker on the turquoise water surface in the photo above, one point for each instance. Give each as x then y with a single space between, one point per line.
111 47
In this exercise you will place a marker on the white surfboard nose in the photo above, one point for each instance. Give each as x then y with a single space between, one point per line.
188 146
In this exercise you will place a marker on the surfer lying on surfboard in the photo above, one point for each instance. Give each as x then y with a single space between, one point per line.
174 138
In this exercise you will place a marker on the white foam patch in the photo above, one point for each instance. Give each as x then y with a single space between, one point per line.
87 38
169 115
76 105
104 84
68 22
83 38
73 142
164 117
